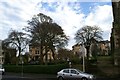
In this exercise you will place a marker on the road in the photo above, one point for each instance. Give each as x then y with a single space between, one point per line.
19 76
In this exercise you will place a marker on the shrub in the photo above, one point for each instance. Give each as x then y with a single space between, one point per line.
76 61
40 69
56 62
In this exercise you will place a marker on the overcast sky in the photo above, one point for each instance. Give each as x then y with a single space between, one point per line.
71 15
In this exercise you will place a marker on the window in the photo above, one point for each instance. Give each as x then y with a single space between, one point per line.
74 72
37 52
66 71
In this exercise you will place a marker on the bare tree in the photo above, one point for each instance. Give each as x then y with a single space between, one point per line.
86 34
17 40
65 54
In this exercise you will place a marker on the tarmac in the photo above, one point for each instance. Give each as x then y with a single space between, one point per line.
32 76
28 76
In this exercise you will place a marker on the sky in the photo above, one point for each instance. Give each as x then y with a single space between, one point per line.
71 15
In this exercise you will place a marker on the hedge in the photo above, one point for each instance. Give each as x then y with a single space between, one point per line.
40 69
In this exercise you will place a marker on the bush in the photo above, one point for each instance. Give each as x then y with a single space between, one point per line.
40 69
92 60
56 62
76 61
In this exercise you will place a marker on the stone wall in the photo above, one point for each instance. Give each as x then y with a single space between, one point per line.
115 36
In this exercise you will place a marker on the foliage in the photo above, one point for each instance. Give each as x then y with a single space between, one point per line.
14 60
17 40
94 50
76 61
55 62
87 34
65 54
40 69
9 53
44 30
25 58
45 33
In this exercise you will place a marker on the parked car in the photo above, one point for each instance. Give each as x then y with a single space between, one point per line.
74 74
2 70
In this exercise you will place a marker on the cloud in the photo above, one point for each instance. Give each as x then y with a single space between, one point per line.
77 1
14 14
65 16
67 13
68 18
71 19
102 17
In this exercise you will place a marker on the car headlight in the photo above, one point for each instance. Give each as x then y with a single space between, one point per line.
3 70
90 77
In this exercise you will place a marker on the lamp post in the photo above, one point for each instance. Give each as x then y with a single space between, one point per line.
83 64
21 58
22 68
69 62
83 51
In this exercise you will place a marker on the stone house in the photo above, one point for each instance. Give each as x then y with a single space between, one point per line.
104 47
35 53
77 50
98 48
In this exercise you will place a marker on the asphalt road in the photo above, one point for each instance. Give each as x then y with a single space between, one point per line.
19 76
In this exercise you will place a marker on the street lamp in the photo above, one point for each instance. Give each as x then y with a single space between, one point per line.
83 64
21 58
69 62
22 68
83 51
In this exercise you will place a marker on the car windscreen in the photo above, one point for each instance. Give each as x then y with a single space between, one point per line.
79 71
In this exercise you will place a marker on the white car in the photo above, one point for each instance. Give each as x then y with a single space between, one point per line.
2 70
73 74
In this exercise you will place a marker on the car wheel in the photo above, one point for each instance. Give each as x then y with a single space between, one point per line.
60 78
3 73
84 78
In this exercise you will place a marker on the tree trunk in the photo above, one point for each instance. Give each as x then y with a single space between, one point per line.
53 54
87 47
41 54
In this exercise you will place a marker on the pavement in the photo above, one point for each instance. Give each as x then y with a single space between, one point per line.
30 76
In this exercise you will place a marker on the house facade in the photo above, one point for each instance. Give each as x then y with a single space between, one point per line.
76 49
102 48
35 54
